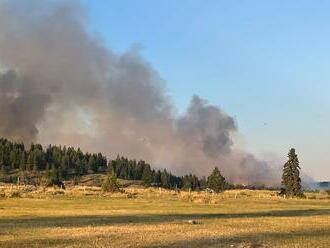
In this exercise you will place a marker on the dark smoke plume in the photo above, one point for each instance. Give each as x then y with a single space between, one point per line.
59 84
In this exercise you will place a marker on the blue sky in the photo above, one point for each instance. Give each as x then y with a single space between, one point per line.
264 62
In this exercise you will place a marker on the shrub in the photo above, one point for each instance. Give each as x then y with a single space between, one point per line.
15 194
58 192
131 195
52 179
2 194
96 181
111 184
76 180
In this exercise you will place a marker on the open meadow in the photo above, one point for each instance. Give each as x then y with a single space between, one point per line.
85 217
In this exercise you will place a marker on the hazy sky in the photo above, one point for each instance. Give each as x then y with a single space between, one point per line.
264 62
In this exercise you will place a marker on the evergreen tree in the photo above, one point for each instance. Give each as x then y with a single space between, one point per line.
92 164
147 176
63 166
12 161
53 177
140 169
203 183
190 182
157 178
58 163
290 178
112 166
2 174
186 182
216 181
30 161
35 163
22 164
165 179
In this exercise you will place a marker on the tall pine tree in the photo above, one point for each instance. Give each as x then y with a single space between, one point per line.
291 176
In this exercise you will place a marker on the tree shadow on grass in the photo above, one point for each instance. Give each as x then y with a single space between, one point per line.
253 240
101 220
40 242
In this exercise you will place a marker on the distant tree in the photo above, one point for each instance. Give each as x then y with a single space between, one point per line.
92 164
147 176
140 169
35 163
186 182
56 163
30 161
111 184
2 175
111 166
216 181
165 179
190 182
22 164
203 183
291 176
53 177
157 178
12 159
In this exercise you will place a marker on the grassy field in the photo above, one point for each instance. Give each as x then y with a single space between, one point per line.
158 218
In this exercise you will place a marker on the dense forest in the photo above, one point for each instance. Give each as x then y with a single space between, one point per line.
54 164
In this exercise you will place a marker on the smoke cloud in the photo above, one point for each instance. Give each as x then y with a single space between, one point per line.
60 84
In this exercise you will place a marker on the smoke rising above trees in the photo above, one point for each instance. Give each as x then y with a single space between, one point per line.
60 84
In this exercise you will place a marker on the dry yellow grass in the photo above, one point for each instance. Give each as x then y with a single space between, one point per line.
85 217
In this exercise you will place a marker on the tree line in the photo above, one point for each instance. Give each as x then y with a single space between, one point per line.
57 163
66 161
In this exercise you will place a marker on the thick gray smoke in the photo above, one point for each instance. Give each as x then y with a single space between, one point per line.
208 127
15 96
59 84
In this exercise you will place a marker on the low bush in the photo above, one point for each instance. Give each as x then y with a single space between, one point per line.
111 184
58 192
15 194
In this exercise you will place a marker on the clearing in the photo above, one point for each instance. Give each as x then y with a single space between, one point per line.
85 217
